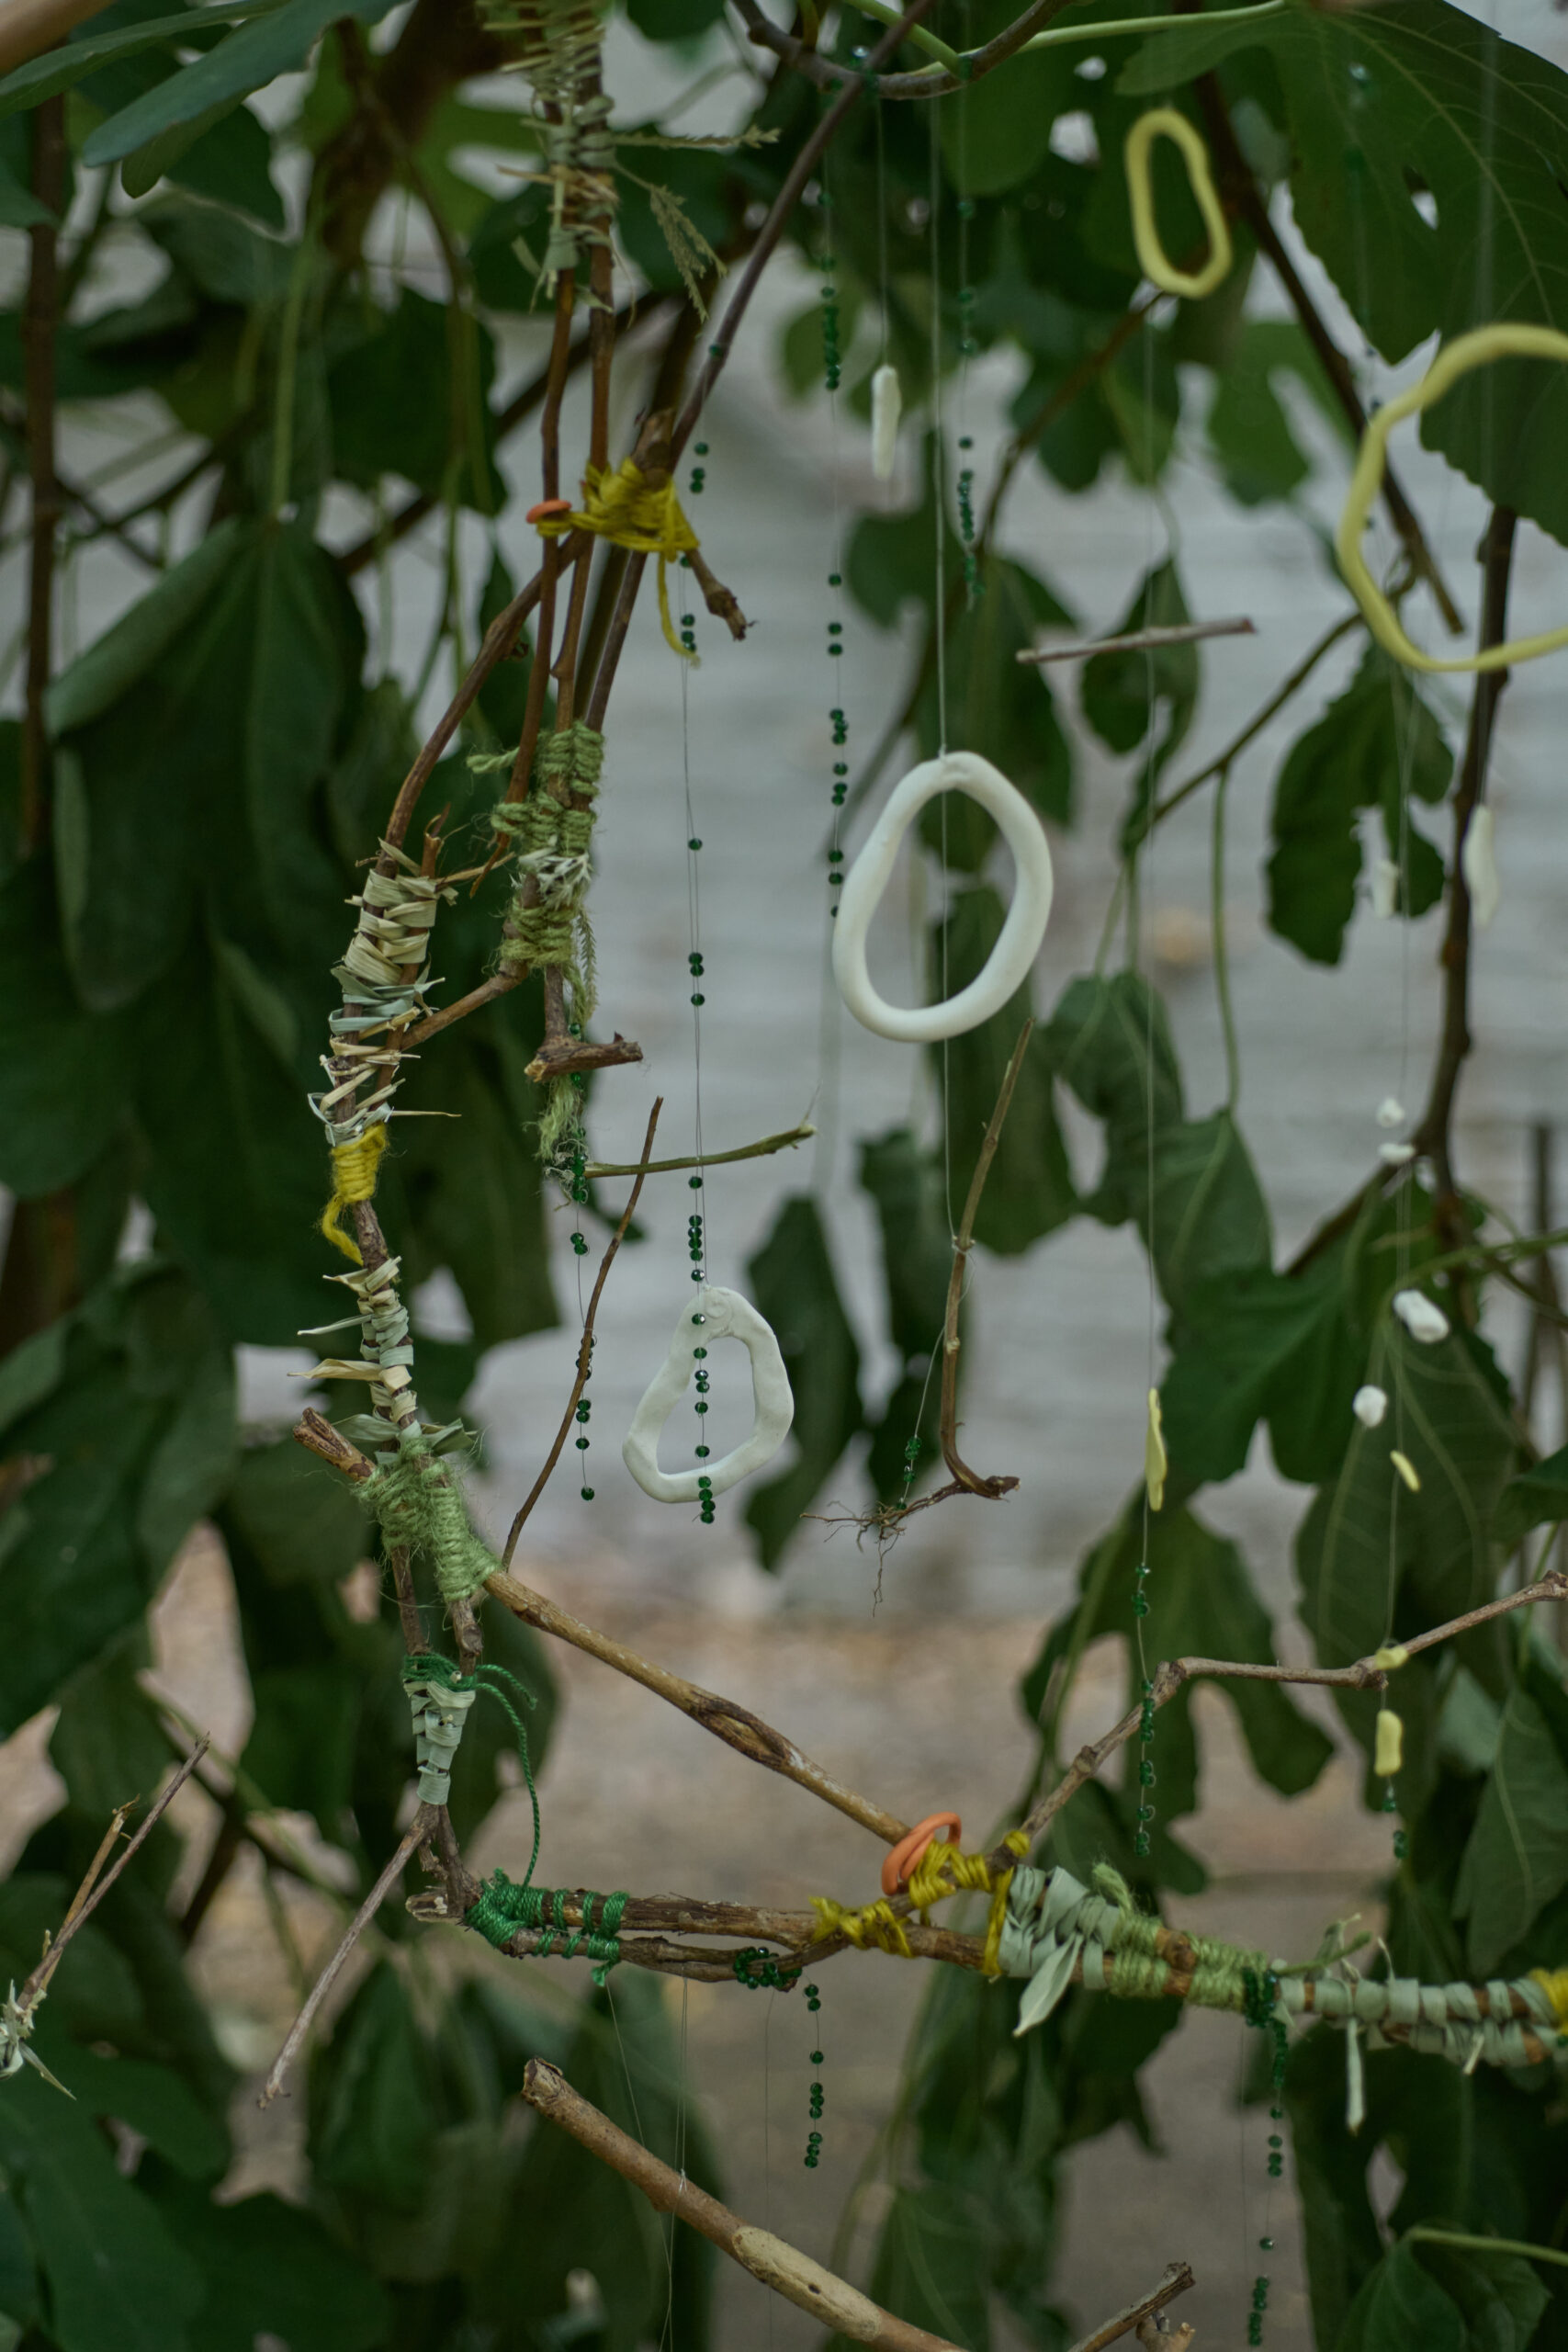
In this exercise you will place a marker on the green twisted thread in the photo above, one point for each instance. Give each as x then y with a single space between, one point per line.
418 1501
552 845
430 1670
503 1908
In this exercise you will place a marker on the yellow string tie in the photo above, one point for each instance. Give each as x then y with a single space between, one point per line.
1553 1982
354 1179
878 1924
1017 1842
630 511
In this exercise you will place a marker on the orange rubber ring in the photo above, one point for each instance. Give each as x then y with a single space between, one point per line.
908 1853
548 506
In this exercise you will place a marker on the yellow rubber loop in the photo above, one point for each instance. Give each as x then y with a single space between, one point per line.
1457 358
1164 123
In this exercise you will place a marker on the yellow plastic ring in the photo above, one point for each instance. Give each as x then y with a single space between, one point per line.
1455 359
1164 123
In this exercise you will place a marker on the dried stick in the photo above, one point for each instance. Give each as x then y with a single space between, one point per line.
585 1345
99 1880
788 2272
785 1142
736 1725
498 642
1176 633
1177 2279
423 1822
930 83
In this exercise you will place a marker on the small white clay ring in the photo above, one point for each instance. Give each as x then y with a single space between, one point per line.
1009 964
714 1314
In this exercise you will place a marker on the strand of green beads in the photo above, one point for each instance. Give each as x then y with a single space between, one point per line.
1260 1996
584 1411
832 357
698 482
1146 1741
1401 1840
813 2138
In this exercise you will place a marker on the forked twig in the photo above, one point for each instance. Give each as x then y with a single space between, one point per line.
1138 640
94 1888
419 1828
829 2299
1178 2279
761 1150
585 1345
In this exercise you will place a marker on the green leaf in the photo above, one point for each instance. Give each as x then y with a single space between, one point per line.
83 50
63 1070
1378 740
278 42
413 400
158 621
905 1184
18 2271
1517 1859
19 207
998 706
1502 2299
1247 427
1029 1191
1535 1498
300 1752
999 132
926 2272
106 1745
1255 1345
673 19
1109 1040
372 2096
303 1521
792 1281
153 2100
1122 692
1419 98
271 2270
1401 2305
1368 1545
117 2281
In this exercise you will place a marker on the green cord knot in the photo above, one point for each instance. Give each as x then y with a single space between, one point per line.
503 1908
418 1501
440 1695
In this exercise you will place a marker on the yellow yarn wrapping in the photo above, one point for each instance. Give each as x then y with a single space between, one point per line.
627 509
943 1871
1553 1982
354 1166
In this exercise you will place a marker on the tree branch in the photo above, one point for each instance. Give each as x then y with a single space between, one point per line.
736 1725
1433 1134
789 2273
1178 2279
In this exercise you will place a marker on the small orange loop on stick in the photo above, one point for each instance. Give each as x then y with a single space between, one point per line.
547 509
906 1855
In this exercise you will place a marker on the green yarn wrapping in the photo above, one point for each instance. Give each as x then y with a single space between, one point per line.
503 1908
417 1500
431 1677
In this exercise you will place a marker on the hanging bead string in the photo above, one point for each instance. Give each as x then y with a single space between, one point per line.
1262 1990
1146 1741
696 1231
967 346
832 371
813 2138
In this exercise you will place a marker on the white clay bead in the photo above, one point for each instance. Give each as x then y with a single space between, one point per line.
1478 864
1014 952
713 1314
886 407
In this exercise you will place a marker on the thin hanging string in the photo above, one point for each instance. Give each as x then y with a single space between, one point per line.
881 227
1143 863
938 496
830 1025
768 2139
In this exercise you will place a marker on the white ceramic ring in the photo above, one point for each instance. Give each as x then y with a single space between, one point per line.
1009 964
714 1314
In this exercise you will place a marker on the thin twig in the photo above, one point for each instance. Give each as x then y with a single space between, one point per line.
789 2273
931 83
94 1888
736 1725
418 1830
586 1345
785 1142
1177 633
1178 2279
498 640
1224 760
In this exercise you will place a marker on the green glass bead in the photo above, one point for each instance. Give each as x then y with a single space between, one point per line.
1140 1605
835 580
699 448
695 1183
702 1452
1275 2141
695 843
840 767
699 1000
817 2057
965 207
1401 1847
810 2164
1267 2245
811 1993
582 1445
700 1318
699 1353
835 857
835 648
835 628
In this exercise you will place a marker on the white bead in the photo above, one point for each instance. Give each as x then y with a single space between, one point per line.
886 407
724 1314
1478 864
1369 1405
1421 1317
1385 887
1395 1155
1390 1112
1014 952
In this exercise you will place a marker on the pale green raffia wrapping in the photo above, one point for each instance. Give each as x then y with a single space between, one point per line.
418 1501
552 855
1053 1924
559 50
